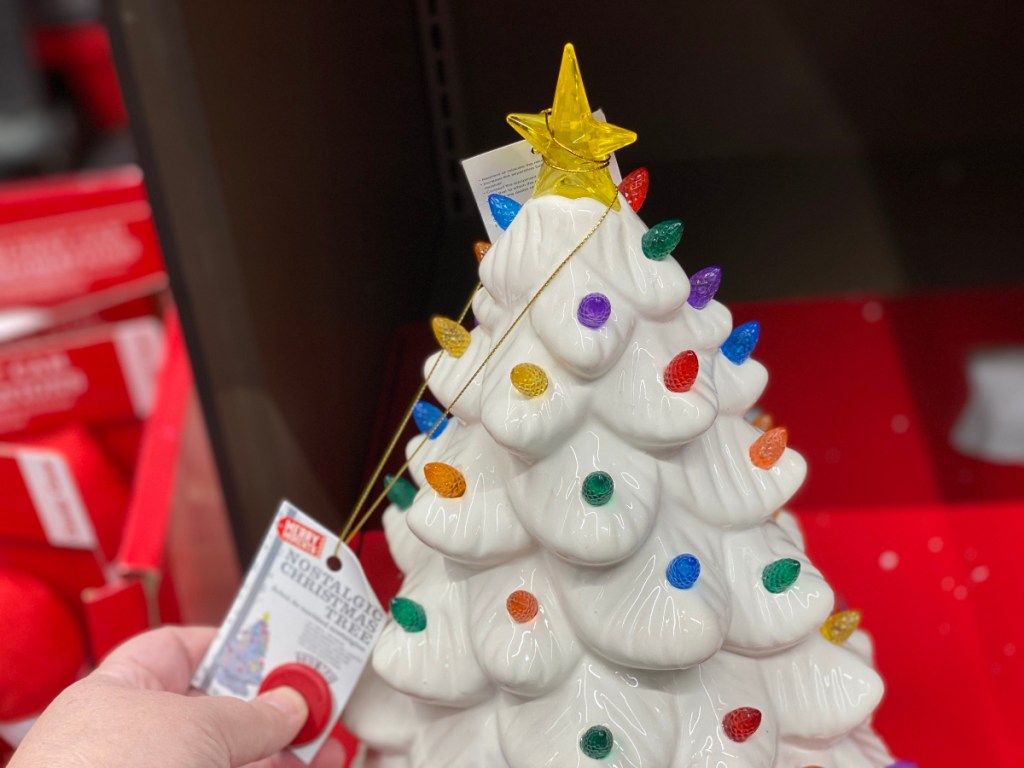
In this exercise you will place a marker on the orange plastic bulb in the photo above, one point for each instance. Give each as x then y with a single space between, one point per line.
767 449
480 247
445 479
764 422
839 626
453 338
522 606
529 379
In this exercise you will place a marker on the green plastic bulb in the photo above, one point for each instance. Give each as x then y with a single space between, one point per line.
402 493
779 576
409 614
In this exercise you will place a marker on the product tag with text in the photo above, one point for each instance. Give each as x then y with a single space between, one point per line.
293 608
510 171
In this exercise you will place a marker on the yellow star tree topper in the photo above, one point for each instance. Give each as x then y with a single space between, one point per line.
574 145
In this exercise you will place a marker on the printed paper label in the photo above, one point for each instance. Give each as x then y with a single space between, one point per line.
293 608
139 345
55 497
510 171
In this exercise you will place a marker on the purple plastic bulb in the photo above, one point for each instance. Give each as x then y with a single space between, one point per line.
594 310
704 286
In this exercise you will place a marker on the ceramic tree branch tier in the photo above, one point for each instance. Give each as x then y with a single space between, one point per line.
597 568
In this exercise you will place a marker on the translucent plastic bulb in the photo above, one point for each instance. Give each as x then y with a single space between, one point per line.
402 493
522 606
408 614
634 188
741 342
764 421
840 625
503 209
480 248
453 338
445 479
742 723
661 239
683 571
597 488
594 310
681 372
768 447
703 286
779 576
529 379
597 742
427 417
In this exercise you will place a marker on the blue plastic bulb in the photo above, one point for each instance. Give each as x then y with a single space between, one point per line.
683 571
503 209
426 415
741 342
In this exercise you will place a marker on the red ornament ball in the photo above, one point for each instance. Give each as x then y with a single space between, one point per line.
740 724
682 372
42 647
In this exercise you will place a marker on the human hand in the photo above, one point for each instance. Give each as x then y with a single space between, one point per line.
136 709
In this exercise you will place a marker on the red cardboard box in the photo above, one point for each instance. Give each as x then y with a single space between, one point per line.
63 237
96 375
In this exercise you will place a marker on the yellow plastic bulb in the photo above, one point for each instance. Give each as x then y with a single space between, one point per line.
453 338
445 479
839 626
529 379
574 145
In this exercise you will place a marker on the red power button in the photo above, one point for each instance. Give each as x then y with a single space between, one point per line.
314 690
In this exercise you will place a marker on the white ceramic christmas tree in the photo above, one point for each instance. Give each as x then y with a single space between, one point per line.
597 570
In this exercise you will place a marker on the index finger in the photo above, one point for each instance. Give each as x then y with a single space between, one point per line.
161 659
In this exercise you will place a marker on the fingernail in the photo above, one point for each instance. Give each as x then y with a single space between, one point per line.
286 700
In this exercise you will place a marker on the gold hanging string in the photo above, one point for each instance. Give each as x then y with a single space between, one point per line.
398 433
350 531
595 165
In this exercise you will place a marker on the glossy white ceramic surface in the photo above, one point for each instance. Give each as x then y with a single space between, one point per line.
615 642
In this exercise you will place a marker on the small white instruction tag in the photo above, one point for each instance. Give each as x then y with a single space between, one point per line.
293 608
510 171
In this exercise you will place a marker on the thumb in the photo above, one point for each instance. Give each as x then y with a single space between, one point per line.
247 731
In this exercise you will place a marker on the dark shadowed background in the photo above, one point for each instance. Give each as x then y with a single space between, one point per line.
302 160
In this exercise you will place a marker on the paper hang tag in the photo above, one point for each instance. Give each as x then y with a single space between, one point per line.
293 608
510 171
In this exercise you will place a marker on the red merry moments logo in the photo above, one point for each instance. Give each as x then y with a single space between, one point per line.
301 536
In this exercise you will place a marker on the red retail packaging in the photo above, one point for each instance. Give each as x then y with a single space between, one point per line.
96 375
69 236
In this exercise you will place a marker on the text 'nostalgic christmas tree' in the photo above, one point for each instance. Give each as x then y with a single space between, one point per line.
597 568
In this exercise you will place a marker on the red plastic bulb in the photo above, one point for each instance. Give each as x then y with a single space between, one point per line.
740 724
682 372
634 188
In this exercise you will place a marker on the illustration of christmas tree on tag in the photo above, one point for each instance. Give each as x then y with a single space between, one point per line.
597 567
240 667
